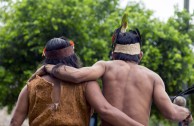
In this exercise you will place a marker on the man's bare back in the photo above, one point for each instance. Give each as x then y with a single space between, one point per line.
130 90
127 86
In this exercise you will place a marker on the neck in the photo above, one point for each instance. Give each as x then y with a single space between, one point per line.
132 62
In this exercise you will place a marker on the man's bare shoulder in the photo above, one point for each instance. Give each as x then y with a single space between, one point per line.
114 62
150 72
105 63
102 62
109 64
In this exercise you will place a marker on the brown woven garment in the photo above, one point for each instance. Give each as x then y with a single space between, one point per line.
72 110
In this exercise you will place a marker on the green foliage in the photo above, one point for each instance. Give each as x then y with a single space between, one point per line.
26 26
166 46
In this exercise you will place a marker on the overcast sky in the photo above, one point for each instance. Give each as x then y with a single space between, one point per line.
162 8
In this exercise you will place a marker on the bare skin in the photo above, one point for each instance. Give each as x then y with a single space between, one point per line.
93 96
127 86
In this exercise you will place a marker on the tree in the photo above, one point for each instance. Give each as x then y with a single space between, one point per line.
28 24
167 47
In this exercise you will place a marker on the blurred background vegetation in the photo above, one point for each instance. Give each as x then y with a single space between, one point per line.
26 26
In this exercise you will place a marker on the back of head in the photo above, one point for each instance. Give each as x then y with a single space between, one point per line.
126 46
60 51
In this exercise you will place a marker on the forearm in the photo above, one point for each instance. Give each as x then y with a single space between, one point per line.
174 112
118 118
18 118
75 75
180 113
14 122
67 73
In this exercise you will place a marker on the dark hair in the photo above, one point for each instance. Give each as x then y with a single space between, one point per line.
59 43
126 57
131 37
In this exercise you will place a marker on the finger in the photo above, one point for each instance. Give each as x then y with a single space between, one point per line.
185 123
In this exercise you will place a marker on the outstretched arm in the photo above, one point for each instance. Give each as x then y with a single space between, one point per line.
107 112
75 75
21 109
164 104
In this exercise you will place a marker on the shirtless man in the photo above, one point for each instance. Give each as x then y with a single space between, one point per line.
126 85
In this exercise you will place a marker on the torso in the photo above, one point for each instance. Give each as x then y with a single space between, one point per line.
130 90
54 103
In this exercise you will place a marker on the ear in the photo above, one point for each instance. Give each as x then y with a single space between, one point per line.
140 56
111 55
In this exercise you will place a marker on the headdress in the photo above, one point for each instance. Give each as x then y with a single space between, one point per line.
59 53
126 42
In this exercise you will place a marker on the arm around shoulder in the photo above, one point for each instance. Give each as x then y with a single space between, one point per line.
75 75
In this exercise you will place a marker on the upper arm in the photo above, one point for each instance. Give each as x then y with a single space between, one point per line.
82 74
161 98
94 72
21 109
165 105
95 98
